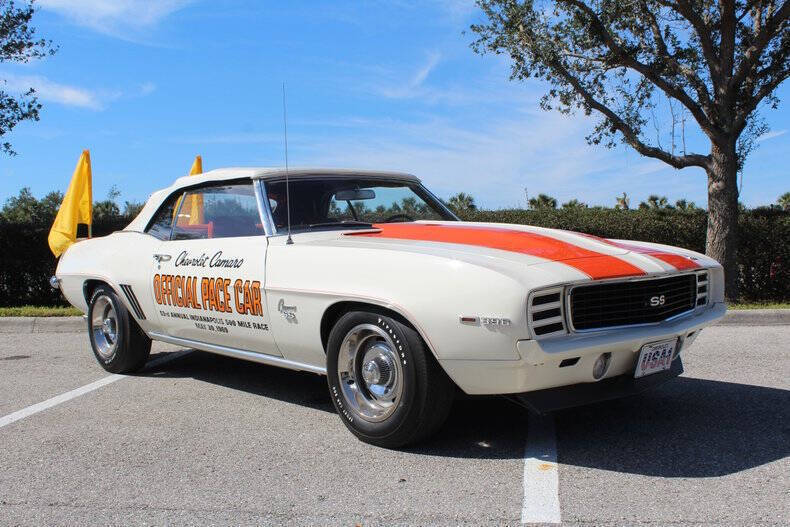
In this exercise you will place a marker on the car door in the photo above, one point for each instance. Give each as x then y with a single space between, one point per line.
208 275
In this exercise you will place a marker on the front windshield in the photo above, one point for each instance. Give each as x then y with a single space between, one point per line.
351 202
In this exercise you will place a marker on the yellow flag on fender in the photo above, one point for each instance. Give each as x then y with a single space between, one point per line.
192 211
77 207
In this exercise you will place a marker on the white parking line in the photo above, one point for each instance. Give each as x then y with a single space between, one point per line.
62 398
541 481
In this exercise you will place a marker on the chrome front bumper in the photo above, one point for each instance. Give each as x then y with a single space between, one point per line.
539 366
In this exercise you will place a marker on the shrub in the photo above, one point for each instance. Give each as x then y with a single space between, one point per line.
764 255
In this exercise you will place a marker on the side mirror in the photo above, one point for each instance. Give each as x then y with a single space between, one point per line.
354 195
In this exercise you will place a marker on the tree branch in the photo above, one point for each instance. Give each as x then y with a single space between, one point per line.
727 46
766 89
630 135
691 77
671 90
753 53
703 32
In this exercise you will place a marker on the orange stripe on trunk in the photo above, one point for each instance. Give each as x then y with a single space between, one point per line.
596 265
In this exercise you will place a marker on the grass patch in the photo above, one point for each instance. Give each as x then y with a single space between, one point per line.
39 311
760 305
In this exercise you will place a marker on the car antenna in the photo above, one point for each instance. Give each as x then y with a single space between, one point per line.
289 241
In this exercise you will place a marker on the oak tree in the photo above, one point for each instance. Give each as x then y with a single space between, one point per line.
18 44
718 60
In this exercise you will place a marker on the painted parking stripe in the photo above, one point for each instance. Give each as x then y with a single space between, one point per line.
95 385
541 479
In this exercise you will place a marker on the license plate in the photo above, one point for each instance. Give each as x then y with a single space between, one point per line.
655 357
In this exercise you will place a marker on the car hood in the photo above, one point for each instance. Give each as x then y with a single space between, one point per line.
594 257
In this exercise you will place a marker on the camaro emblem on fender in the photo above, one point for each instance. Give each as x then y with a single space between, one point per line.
289 312
656 301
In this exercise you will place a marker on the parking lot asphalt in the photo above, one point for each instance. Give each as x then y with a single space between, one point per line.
209 439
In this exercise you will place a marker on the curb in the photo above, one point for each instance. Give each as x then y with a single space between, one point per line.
756 317
746 317
42 325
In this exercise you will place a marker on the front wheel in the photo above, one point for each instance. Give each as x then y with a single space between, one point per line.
118 343
387 388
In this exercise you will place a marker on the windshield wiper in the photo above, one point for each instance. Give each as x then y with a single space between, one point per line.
343 224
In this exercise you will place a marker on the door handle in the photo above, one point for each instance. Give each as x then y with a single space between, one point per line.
162 257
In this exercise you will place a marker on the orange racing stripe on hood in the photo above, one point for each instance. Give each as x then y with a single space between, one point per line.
596 265
680 262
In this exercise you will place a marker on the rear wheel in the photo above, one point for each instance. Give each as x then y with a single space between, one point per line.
387 388
118 343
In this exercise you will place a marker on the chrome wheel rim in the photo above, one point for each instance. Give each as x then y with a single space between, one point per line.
370 372
104 326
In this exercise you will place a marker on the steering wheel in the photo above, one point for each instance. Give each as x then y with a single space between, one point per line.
405 217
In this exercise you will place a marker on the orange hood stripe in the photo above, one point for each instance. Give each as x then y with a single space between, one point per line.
596 265
678 261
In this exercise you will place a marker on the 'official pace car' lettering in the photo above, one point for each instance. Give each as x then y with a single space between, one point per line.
209 294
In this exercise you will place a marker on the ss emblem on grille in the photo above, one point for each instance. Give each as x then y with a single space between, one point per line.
656 301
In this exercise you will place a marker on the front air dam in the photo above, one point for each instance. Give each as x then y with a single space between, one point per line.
551 399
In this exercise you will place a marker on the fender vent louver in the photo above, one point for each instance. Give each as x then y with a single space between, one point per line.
547 313
130 296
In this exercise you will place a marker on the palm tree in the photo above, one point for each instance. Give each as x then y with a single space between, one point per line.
784 201
574 204
623 202
461 203
685 205
543 201
655 202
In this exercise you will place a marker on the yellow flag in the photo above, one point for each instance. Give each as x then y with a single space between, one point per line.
77 207
192 211
197 166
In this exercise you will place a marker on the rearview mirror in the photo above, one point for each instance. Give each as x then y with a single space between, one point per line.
354 195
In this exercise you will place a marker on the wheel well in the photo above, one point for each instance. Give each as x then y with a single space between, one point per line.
89 287
335 311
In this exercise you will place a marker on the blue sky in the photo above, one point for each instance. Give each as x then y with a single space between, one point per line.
371 84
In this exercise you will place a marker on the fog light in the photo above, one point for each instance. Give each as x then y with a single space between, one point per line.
601 365
54 282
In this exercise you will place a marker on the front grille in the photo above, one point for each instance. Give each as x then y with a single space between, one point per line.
634 302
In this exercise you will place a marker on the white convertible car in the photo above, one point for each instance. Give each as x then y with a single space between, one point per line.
380 288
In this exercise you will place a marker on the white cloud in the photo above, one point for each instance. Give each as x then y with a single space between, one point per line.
770 135
114 16
147 88
398 89
51 91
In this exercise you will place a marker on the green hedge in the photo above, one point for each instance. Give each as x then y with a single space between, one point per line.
764 256
26 262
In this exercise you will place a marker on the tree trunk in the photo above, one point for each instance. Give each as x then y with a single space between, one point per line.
722 236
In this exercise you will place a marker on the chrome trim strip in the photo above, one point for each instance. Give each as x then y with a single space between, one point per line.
546 321
546 307
263 208
620 280
252 356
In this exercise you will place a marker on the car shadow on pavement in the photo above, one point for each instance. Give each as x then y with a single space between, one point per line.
302 388
482 428
686 428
